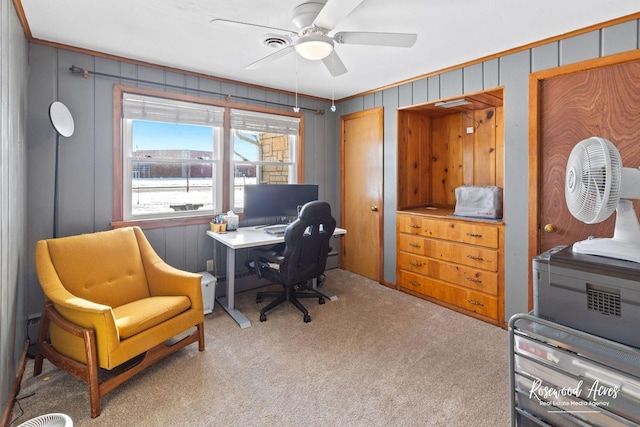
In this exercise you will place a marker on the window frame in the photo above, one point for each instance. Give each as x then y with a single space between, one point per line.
281 128
130 158
225 160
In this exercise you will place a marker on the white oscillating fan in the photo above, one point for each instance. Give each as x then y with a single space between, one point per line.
596 185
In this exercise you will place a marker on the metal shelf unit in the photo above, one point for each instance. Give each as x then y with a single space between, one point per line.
560 376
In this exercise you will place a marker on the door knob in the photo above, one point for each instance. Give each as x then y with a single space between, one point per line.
550 228
374 209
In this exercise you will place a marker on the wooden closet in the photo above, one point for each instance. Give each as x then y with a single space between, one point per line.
453 261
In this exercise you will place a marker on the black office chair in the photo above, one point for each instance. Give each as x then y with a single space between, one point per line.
301 259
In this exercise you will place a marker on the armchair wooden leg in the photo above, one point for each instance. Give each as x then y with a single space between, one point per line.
201 336
89 337
42 337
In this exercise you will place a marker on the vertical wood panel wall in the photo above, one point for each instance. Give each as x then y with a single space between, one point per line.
13 199
86 158
510 72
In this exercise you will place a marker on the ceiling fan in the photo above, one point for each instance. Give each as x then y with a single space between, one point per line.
313 21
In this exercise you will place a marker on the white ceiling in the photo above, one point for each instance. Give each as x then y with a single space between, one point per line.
178 34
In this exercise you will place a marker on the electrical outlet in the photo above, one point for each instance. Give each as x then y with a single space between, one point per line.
209 265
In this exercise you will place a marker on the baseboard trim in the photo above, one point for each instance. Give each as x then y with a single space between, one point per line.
388 284
16 387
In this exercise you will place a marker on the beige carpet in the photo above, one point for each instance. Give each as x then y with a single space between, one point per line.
375 357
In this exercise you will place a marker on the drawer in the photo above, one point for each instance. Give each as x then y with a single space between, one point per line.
450 229
563 409
475 302
467 277
412 244
604 403
627 400
469 255
411 281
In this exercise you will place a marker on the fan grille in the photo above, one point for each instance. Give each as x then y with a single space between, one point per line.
49 420
593 177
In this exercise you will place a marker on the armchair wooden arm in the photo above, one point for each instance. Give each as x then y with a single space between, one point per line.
87 372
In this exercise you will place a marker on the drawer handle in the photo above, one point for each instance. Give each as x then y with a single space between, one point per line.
415 245
475 258
475 302
474 235
414 283
472 279
416 264
415 226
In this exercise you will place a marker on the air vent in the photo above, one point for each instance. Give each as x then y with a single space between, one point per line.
604 300
275 41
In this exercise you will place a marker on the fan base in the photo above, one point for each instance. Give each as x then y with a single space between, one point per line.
609 247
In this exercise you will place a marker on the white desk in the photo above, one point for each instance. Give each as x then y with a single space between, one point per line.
249 237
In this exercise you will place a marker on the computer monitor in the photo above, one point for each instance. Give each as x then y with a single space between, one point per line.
277 200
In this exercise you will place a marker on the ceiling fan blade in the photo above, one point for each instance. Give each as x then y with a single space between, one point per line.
334 64
229 21
269 58
335 11
376 39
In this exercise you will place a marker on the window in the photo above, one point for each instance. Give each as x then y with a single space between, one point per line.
264 150
179 156
171 163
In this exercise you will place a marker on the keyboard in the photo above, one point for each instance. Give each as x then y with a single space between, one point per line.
276 229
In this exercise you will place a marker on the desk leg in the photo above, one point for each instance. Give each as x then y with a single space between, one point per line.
227 302
331 296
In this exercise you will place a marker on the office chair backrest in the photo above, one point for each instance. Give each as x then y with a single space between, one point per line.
307 243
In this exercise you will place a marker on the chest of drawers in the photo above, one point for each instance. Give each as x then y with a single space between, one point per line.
454 262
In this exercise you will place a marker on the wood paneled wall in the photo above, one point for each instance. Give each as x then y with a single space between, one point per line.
437 154
414 175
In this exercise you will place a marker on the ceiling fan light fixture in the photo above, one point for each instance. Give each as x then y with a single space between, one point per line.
314 47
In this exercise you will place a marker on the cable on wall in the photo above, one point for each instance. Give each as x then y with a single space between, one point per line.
85 73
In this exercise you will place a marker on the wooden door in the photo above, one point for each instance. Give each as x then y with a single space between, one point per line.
361 193
600 100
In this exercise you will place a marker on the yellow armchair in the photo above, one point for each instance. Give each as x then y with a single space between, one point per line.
109 299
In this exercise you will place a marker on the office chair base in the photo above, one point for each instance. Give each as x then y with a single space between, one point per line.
292 297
